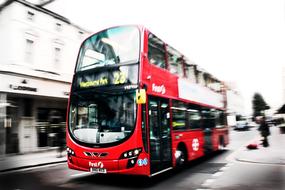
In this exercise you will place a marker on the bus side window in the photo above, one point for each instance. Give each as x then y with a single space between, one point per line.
194 118
220 119
178 115
209 119
175 61
156 51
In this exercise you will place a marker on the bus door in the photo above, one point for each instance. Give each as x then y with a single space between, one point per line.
160 138
208 126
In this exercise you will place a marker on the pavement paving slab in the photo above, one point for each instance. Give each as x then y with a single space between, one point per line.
273 154
22 161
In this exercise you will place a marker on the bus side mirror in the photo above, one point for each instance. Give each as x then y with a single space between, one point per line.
140 96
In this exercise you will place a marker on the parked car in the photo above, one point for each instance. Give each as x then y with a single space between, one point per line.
252 124
241 125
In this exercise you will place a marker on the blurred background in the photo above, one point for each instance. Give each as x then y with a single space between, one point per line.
38 51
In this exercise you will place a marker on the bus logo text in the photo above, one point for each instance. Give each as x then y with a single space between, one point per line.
158 89
96 165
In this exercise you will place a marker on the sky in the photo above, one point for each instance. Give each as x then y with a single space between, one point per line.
241 41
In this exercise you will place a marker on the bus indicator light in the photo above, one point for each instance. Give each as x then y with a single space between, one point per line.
141 96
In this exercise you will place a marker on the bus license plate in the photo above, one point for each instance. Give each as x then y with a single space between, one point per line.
98 170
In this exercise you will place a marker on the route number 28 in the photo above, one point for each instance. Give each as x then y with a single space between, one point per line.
120 78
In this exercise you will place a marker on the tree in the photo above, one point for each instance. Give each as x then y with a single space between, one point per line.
259 105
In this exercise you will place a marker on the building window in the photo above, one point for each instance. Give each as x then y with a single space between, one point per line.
190 73
30 15
80 34
29 50
57 54
58 27
201 78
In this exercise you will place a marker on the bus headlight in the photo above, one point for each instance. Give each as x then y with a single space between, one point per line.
131 153
70 152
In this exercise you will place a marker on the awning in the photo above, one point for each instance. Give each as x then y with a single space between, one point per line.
281 110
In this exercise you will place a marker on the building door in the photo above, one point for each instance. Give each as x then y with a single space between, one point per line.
160 138
27 135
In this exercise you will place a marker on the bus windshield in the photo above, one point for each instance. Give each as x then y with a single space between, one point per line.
102 119
109 47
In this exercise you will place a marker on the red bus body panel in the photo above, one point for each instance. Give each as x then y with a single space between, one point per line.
111 162
161 83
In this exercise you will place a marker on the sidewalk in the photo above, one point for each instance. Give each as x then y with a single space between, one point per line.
274 154
23 161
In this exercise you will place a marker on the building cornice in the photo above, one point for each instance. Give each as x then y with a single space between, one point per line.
41 9
33 76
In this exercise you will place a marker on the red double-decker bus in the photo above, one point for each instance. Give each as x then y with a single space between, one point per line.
138 106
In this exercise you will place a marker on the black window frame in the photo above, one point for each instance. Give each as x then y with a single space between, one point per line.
154 44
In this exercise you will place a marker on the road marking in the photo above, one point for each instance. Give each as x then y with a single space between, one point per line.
224 168
82 174
229 164
208 182
217 174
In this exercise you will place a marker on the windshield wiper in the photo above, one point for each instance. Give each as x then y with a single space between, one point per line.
89 65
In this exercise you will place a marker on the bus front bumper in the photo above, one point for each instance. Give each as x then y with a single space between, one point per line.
124 166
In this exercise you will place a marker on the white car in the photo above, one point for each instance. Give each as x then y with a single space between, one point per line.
241 125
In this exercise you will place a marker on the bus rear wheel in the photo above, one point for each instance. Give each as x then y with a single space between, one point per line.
181 157
222 144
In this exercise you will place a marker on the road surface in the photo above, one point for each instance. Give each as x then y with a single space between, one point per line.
219 171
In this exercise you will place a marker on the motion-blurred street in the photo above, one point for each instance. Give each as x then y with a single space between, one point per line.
121 87
234 168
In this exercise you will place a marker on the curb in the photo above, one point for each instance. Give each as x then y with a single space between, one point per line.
256 162
32 166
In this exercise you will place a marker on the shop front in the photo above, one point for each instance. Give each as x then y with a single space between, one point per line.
32 113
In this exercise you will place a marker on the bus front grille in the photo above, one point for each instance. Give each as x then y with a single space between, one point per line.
96 154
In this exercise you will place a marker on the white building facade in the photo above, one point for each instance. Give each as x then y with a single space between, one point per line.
38 54
235 104
283 83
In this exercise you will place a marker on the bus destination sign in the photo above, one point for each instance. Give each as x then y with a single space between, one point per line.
106 78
